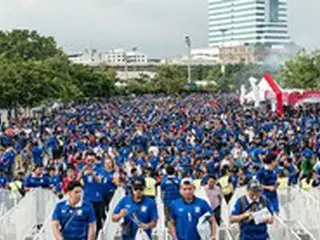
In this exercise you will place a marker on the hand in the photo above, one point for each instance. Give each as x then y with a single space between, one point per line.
272 188
123 212
144 226
247 215
267 220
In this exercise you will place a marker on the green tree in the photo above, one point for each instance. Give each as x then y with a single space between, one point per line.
23 45
303 71
169 79
90 82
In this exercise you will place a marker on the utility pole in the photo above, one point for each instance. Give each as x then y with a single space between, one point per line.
126 65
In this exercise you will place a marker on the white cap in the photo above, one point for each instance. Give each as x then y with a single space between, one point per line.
187 181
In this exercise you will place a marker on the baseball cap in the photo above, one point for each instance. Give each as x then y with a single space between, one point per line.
138 183
254 185
187 181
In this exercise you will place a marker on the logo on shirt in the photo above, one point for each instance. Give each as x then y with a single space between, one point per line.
90 179
79 212
128 206
180 209
63 211
143 209
197 209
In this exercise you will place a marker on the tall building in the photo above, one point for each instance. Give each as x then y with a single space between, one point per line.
239 22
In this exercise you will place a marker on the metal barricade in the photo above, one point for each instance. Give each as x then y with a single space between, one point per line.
160 231
223 233
28 216
8 200
280 230
44 215
110 228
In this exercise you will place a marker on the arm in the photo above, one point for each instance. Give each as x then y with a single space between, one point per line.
116 217
172 229
269 188
56 230
236 215
80 175
92 231
150 225
119 212
240 218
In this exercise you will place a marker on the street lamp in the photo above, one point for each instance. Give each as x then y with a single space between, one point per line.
223 67
188 43
126 64
222 55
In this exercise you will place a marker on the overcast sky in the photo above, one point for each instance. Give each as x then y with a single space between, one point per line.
156 27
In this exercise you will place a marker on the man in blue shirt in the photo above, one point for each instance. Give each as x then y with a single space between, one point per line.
55 182
8 162
137 210
92 182
249 203
72 218
267 175
37 153
170 189
36 179
185 213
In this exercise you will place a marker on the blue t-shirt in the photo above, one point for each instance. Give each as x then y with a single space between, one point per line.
144 211
248 229
91 188
8 160
74 220
37 182
55 183
107 186
186 217
170 189
37 155
269 178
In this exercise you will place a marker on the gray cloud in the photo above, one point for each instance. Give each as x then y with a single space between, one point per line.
156 27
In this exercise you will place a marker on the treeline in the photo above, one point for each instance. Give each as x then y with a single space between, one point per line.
34 70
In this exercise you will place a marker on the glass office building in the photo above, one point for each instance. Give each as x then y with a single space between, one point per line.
241 22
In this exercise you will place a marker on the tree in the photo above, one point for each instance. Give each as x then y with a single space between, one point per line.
34 71
25 45
303 71
169 79
29 83
90 82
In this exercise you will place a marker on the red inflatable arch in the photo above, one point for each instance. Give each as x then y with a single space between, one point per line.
277 92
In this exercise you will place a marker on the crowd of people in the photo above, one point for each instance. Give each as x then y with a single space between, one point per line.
173 142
